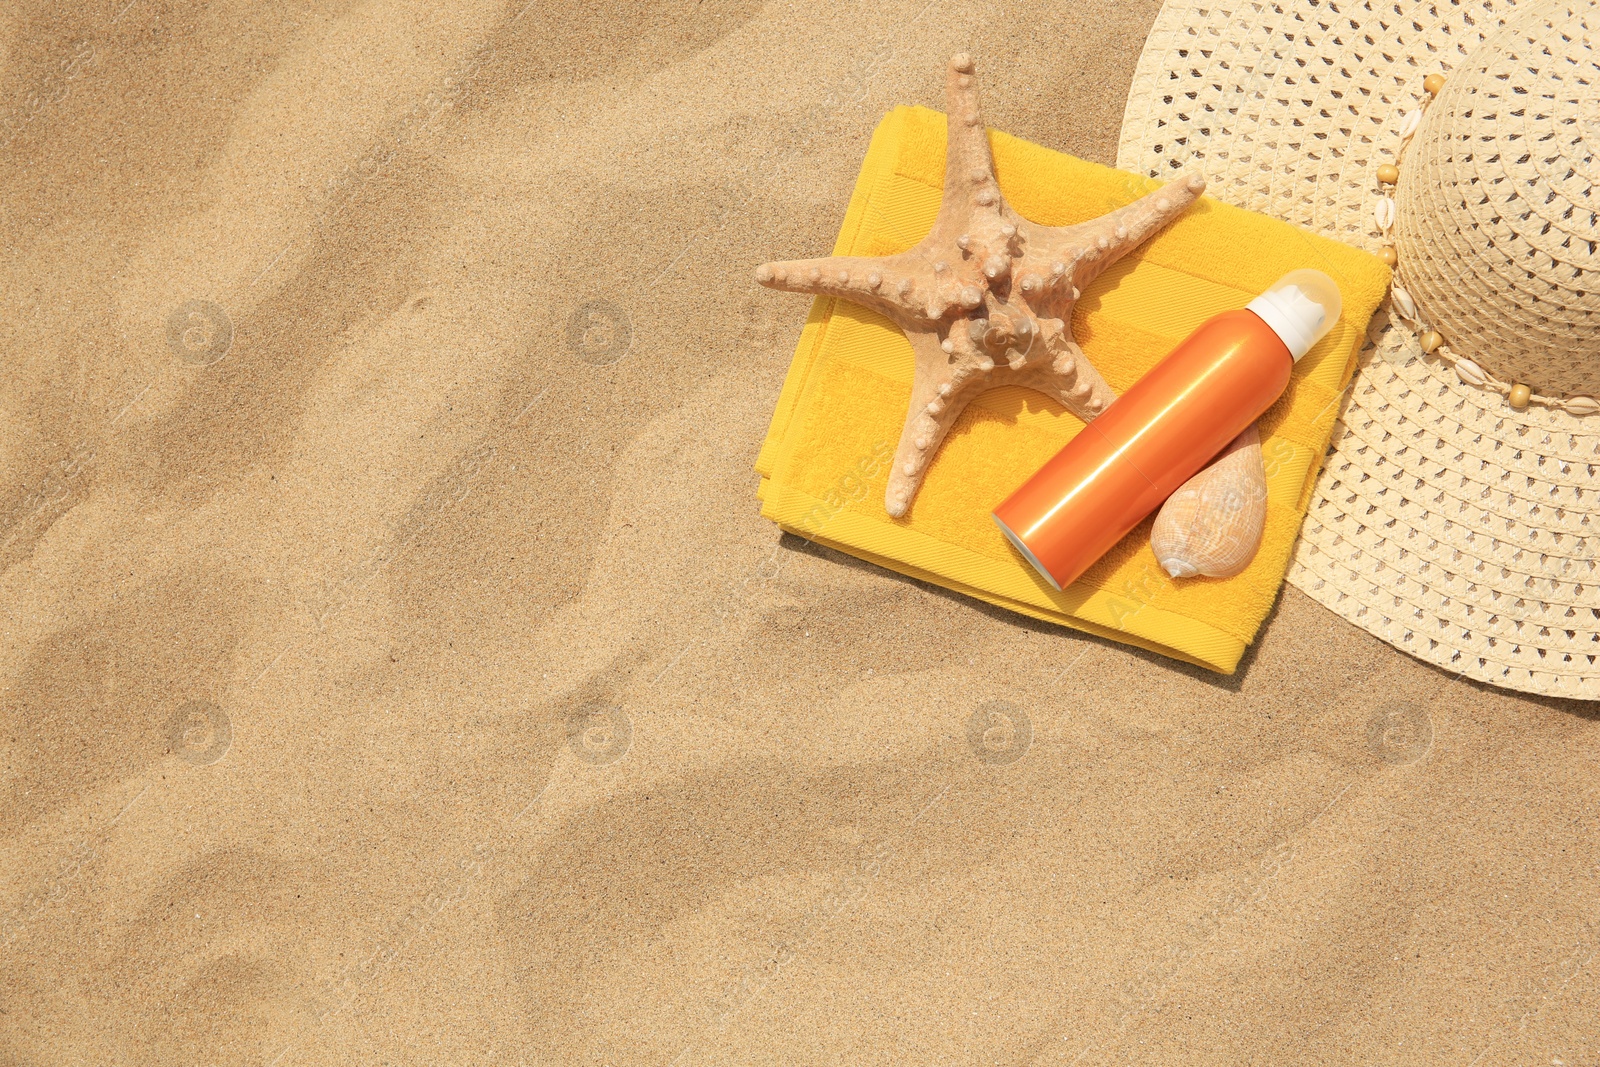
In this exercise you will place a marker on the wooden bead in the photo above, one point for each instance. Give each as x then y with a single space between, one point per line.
1388 174
1432 84
1519 396
1388 256
1431 341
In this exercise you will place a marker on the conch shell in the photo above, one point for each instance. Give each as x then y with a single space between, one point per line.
1212 525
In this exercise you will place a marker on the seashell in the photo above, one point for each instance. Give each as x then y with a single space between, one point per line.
1403 302
1582 405
1470 372
1213 524
1383 213
1412 121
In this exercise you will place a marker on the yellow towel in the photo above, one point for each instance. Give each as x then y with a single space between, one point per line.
825 461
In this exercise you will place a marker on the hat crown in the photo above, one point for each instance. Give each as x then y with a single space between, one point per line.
1498 214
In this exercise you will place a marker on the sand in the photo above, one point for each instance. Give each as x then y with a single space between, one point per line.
397 670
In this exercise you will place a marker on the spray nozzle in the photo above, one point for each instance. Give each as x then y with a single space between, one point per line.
1301 307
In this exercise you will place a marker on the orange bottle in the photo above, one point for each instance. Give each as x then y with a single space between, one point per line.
1164 429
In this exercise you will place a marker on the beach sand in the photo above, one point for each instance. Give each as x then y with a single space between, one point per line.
397 670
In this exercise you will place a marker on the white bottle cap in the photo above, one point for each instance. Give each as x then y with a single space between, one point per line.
1300 307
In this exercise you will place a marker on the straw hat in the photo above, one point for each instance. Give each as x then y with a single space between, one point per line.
1457 515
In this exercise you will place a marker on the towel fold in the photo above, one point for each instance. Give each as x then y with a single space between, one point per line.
825 462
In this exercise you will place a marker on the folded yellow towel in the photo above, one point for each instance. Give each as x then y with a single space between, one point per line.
826 458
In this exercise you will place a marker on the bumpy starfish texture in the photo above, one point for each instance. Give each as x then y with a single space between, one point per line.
986 298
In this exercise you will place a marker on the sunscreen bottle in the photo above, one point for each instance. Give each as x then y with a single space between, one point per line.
1166 427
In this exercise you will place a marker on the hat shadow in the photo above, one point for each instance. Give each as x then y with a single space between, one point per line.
1583 709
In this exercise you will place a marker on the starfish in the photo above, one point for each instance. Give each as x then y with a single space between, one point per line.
986 298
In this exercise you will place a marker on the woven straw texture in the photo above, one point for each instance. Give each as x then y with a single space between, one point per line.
1444 522
1495 220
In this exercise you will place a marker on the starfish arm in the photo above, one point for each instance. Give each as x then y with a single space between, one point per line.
1090 247
968 163
1070 378
904 287
939 393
